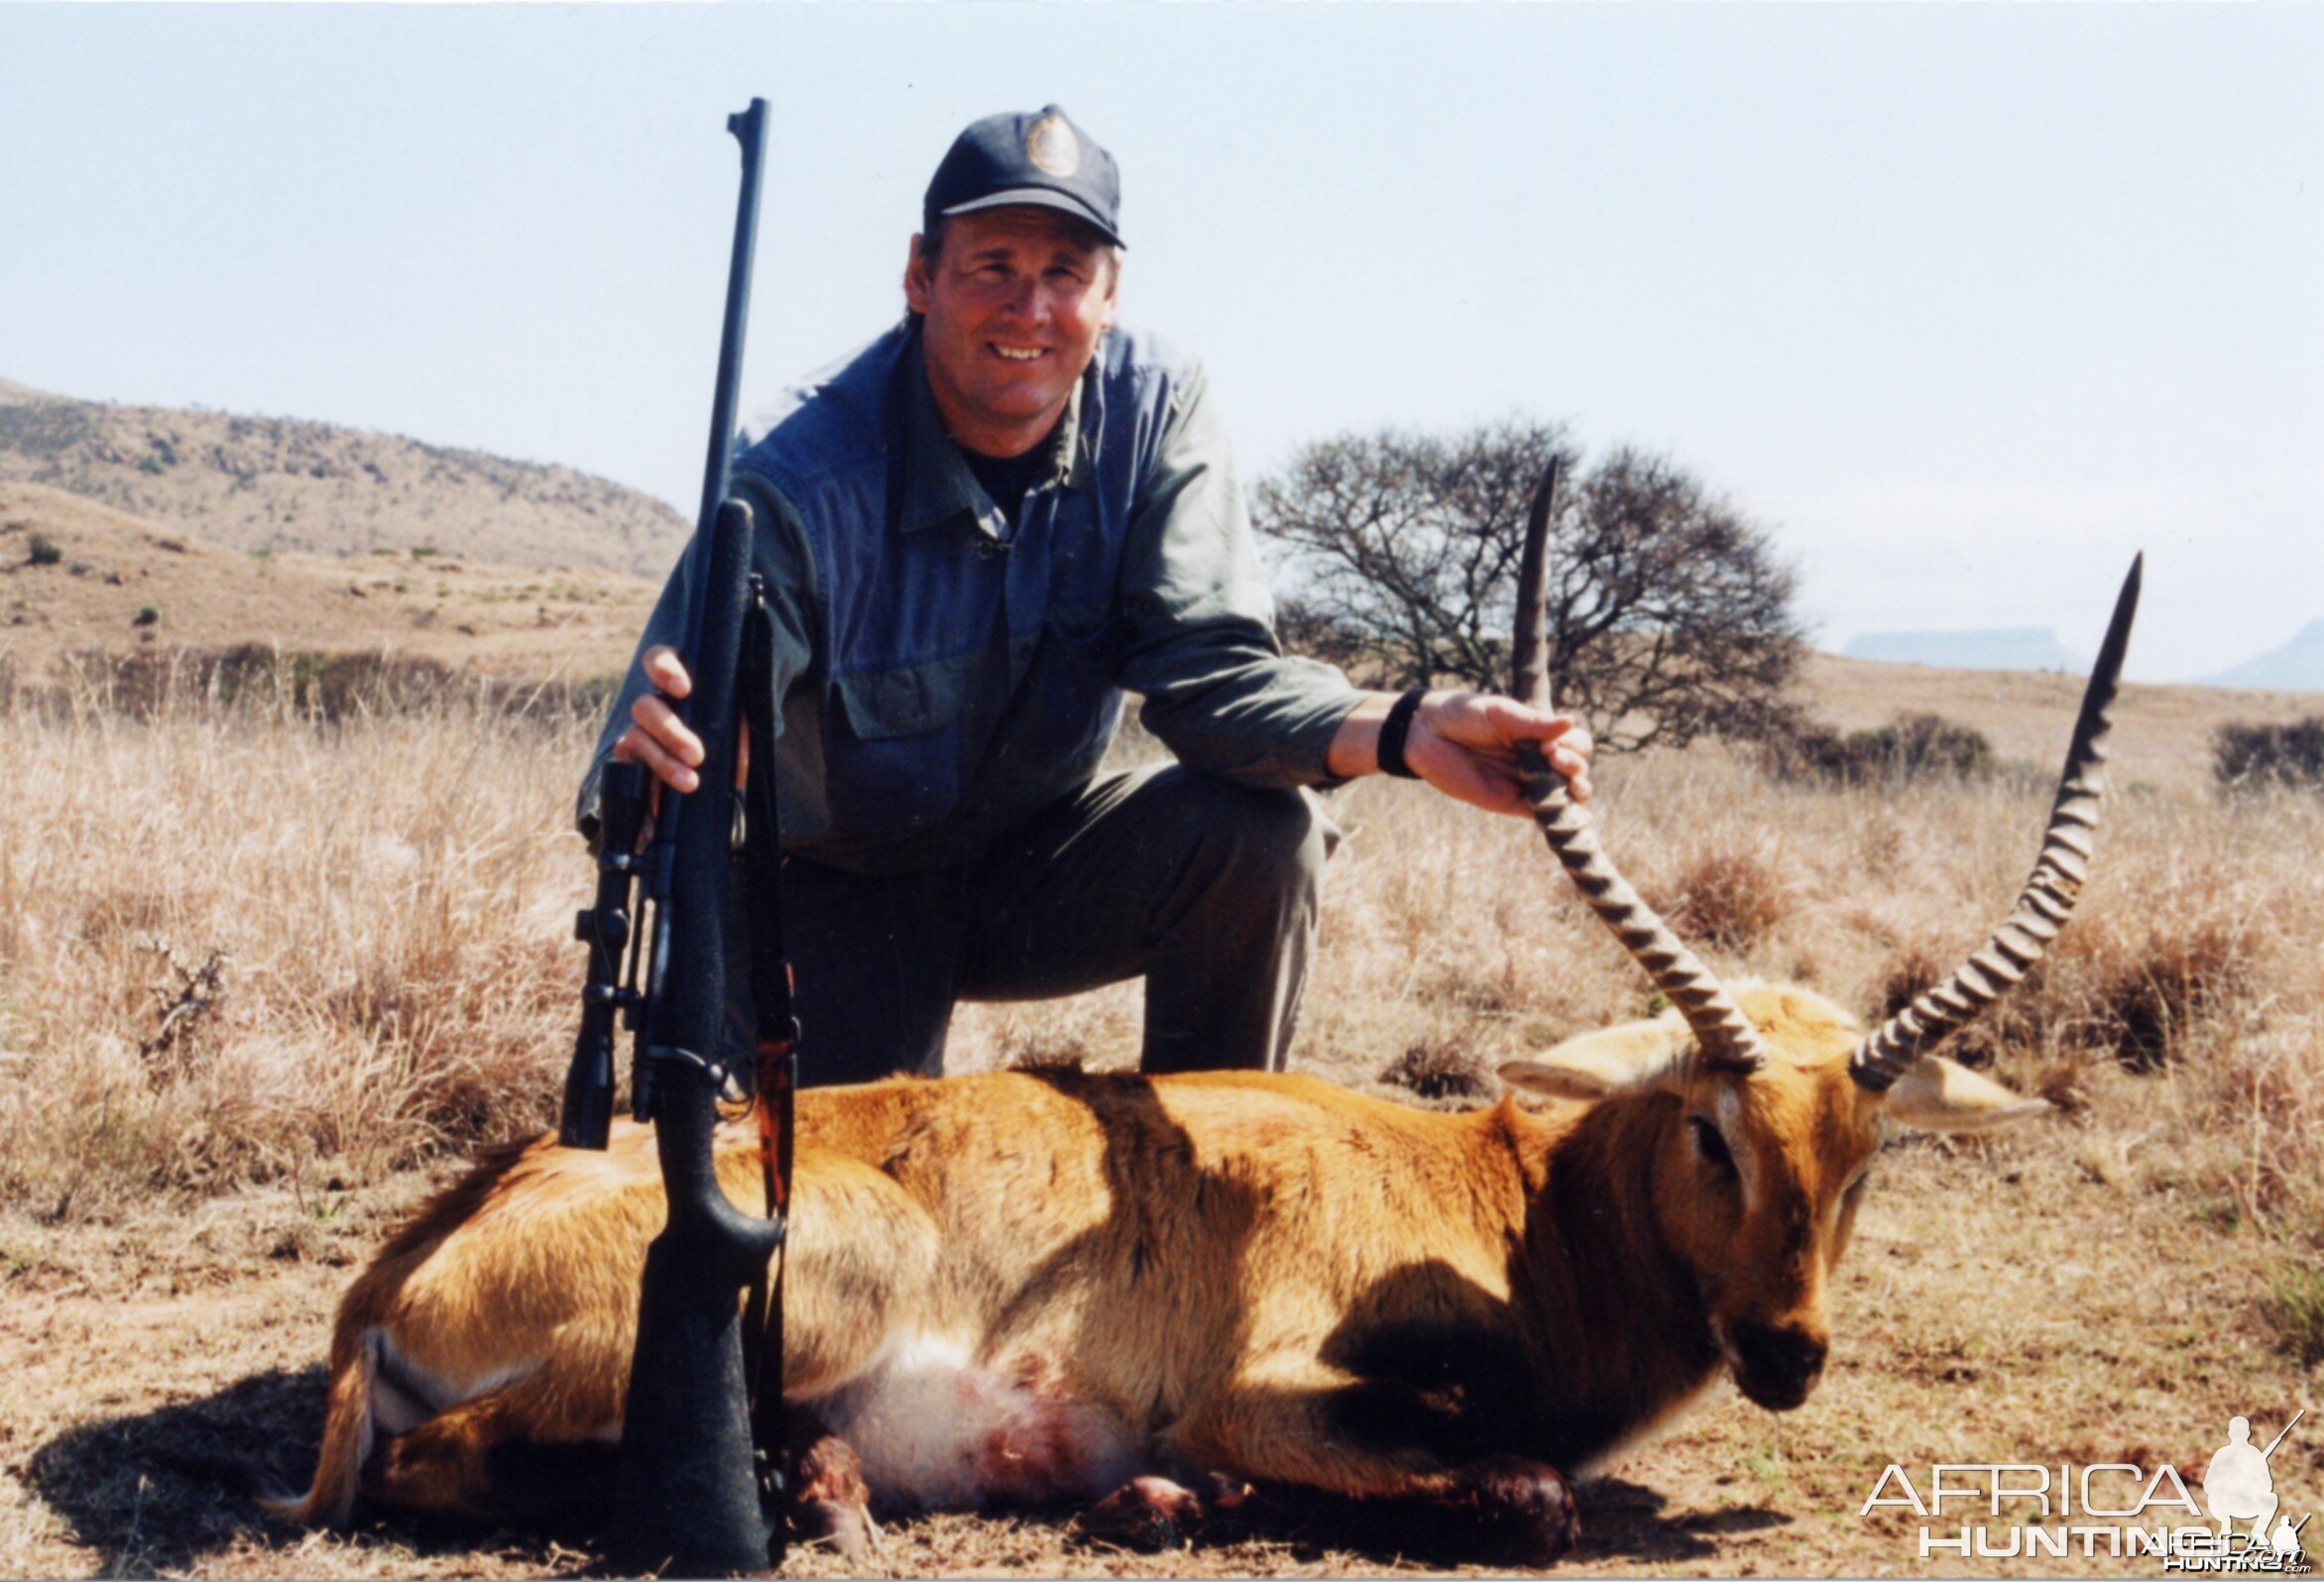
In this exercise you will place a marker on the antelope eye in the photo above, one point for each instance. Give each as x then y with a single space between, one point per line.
1708 1143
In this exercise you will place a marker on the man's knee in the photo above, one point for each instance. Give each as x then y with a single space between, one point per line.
1278 838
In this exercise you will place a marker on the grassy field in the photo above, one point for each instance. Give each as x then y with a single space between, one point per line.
262 980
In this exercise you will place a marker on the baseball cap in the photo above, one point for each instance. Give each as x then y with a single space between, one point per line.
1041 159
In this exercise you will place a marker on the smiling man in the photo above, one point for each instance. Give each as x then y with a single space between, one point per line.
978 535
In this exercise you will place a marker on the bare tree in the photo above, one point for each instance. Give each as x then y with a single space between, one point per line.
1670 613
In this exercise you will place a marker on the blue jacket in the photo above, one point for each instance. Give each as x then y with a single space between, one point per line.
943 677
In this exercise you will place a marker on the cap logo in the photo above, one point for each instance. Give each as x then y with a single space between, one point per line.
1053 148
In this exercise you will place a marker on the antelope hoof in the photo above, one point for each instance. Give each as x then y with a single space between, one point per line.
1524 1511
832 1507
1145 1514
835 1525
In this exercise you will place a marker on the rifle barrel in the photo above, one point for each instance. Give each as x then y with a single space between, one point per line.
2288 1427
750 129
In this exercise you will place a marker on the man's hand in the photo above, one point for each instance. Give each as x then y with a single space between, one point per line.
656 736
1464 743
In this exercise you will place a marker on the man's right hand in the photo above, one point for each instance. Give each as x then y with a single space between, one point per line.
656 736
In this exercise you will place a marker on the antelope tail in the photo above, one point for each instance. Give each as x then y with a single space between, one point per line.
347 1436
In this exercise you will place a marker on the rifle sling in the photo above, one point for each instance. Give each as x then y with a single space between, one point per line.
776 1027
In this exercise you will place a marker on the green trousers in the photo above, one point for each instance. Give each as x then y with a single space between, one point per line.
1205 888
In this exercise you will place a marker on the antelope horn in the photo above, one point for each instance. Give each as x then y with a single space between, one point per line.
2050 894
1724 1034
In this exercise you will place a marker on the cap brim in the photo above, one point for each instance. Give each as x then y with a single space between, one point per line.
1040 197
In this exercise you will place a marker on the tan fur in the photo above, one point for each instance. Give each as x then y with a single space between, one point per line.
1263 1276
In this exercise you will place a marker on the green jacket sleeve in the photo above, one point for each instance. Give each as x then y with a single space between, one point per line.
780 554
1202 649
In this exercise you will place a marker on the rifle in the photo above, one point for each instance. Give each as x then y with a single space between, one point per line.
2279 1439
688 1501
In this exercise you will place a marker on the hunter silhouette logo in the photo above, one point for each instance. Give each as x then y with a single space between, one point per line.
2239 1487
2112 1509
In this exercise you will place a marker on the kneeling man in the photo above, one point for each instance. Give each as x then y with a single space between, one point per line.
978 533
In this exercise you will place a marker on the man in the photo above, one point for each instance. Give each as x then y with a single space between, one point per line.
976 534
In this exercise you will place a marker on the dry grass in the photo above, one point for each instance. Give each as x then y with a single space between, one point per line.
391 900
2192 955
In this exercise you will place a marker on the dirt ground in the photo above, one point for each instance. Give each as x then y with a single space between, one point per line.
2002 1303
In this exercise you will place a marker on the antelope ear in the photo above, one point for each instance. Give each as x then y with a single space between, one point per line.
1597 1063
1936 1096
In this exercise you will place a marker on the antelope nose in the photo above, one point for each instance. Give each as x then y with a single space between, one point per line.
1778 1367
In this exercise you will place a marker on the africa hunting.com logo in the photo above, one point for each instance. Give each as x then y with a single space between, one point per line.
2002 1511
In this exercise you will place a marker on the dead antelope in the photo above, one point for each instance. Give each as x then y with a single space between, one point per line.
1030 1286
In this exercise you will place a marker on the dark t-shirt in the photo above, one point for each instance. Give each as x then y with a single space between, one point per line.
1007 478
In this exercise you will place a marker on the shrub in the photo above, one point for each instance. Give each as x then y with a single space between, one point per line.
1727 899
2146 995
147 616
1912 748
44 551
2134 990
1436 1071
2254 756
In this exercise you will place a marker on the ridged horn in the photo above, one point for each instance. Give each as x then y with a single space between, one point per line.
1722 1033
2050 894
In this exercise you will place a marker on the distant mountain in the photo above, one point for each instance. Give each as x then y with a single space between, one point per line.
281 484
2297 666
1999 649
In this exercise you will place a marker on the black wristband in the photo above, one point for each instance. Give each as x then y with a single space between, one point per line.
1394 730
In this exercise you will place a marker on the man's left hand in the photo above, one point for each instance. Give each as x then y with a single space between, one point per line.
1464 743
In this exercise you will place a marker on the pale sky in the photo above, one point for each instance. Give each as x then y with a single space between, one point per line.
1968 302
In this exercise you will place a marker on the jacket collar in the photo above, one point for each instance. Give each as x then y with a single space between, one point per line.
937 486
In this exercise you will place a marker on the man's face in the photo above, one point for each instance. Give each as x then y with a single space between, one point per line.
1014 303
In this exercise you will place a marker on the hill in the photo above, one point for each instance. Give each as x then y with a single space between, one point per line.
2297 665
77 576
1999 649
283 485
